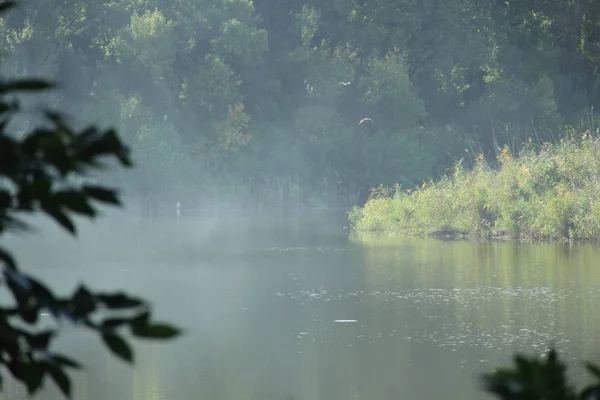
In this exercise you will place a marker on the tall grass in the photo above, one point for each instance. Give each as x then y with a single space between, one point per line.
550 191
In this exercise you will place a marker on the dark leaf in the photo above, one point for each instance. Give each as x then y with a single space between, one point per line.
88 134
6 5
18 283
593 369
35 85
14 224
552 356
4 325
102 194
119 301
33 375
32 142
83 301
41 340
38 189
497 385
42 292
142 319
63 360
21 287
29 315
55 116
118 346
59 121
107 144
5 199
590 393
30 295
63 220
7 260
60 378
60 159
16 369
155 331
75 201
8 107
10 160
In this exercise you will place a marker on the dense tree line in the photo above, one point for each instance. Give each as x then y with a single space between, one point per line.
262 102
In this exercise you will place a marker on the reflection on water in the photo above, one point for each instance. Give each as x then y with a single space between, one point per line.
299 310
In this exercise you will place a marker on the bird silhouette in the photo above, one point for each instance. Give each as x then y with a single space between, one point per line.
367 125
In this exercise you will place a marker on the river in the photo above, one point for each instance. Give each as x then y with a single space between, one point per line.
290 306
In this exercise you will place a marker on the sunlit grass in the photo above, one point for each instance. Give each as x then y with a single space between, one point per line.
545 192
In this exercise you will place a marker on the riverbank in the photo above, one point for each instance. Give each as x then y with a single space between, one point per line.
549 192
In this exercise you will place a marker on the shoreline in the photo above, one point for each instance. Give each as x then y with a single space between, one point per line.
545 194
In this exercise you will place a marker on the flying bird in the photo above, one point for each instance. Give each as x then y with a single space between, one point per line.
368 126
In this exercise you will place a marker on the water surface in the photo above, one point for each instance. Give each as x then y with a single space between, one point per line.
292 307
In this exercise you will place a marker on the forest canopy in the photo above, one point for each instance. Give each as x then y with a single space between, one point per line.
261 102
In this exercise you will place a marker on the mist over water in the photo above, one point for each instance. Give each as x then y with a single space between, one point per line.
287 305
265 103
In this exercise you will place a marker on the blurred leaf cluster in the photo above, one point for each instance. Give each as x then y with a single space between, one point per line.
37 171
533 378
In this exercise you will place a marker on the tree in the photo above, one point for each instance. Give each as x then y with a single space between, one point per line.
38 171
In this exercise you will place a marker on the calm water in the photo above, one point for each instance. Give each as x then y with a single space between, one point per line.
259 298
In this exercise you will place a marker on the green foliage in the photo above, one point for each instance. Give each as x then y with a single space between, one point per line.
388 91
548 193
534 379
36 176
442 75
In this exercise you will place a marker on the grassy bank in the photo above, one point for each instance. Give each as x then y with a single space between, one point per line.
545 192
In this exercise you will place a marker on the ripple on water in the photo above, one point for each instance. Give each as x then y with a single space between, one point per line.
438 323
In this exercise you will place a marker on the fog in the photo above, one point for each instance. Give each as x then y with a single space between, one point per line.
255 126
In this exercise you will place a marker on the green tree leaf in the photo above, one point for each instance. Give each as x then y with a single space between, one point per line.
33 377
593 369
75 201
66 361
7 260
34 85
40 340
155 331
60 378
59 216
118 346
36 167
6 5
119 301
83 302
101 194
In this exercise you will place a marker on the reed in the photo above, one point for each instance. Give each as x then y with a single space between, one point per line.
546 191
